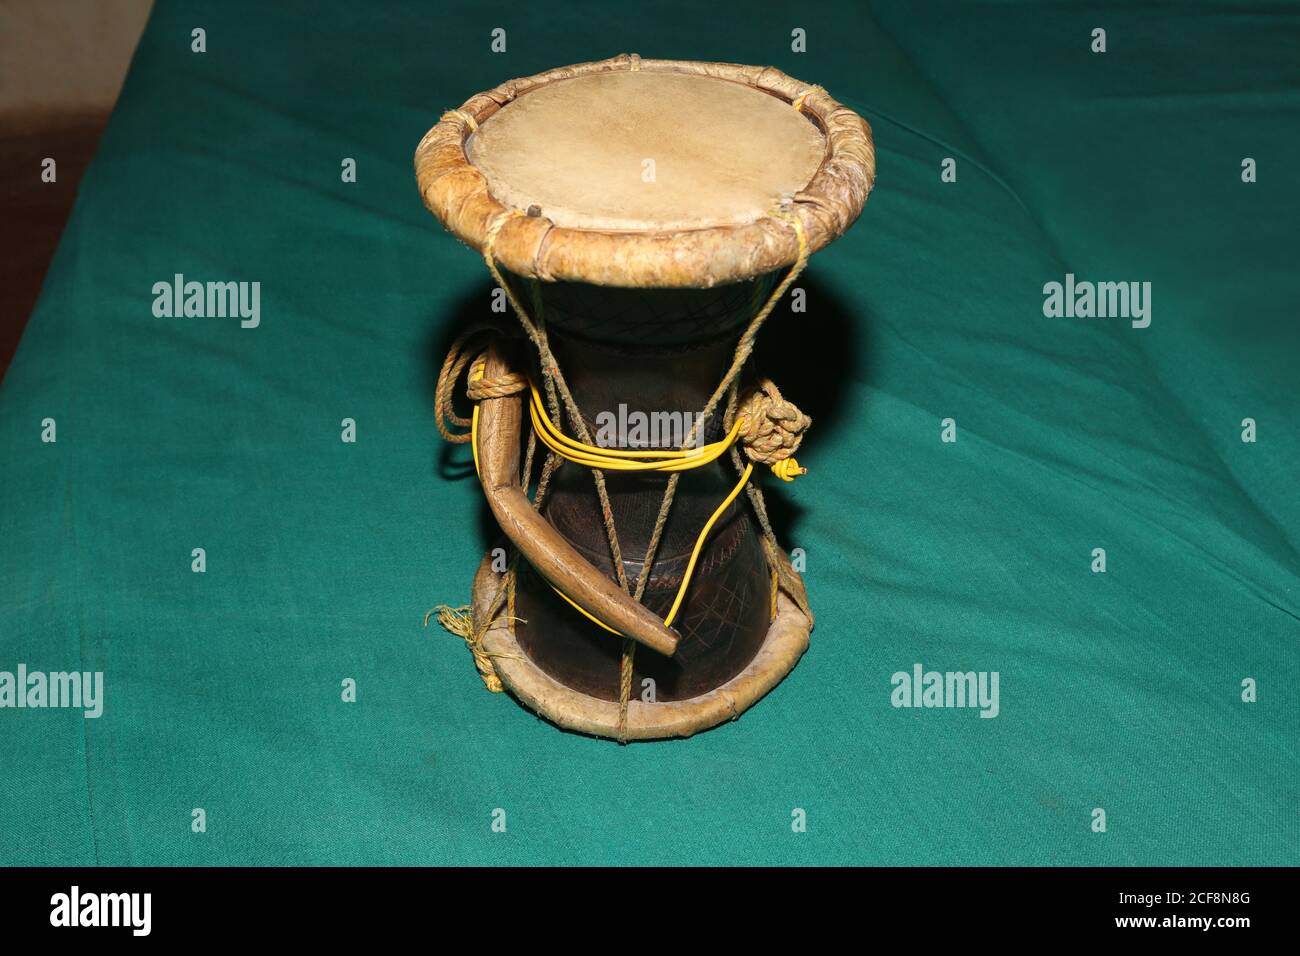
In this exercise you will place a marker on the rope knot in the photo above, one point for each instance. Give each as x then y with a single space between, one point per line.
479 388
459 357
773 429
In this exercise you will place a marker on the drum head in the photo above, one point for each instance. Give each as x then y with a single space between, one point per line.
648 173
647 152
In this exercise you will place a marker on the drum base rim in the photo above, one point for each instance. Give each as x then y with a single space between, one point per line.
786 641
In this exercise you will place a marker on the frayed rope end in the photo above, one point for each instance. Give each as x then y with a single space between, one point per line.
460 621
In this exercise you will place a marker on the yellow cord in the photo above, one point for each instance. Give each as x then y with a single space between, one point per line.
788 469
539 410
699 542
623 460
584 612
690 565
476 372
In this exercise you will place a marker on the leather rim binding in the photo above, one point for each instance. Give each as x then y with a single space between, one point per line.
457 193
786 641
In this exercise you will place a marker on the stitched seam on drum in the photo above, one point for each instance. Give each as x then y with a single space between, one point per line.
465 118
543 249
465 200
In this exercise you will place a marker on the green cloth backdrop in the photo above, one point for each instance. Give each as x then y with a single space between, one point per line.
1120 691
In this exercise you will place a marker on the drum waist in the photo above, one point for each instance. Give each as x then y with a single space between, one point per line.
573 508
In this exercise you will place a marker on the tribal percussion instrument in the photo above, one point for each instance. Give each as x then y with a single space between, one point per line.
643 218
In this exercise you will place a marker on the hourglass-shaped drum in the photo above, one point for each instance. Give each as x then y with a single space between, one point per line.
644 218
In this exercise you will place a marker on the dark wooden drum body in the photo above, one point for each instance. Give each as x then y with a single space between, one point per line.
647 360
